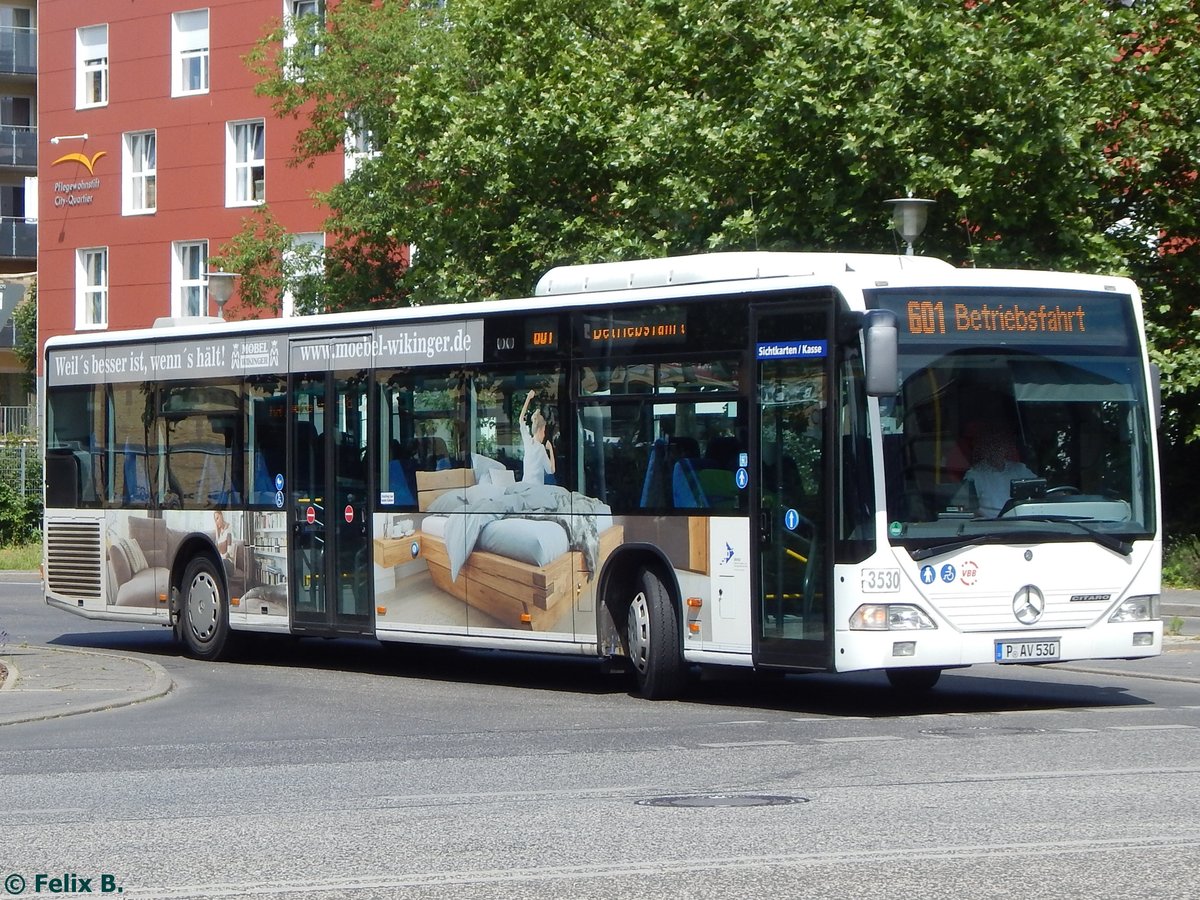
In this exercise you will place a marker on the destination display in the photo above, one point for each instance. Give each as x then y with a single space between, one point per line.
1005 317
665 327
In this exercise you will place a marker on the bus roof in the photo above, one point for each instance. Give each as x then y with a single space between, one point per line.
707 268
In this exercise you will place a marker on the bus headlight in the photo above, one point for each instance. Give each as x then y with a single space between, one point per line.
1136 609
889 617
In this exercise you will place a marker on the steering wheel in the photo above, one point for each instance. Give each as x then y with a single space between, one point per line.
1062 490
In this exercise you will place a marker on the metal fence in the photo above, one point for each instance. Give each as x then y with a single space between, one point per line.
15 419
21 467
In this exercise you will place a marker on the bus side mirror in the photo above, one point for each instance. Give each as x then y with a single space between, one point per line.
881 344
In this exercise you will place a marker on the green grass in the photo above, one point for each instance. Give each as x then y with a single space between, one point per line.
1181 562
21 557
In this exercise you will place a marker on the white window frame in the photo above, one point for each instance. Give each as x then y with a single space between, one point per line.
91 288
245 172
297 260
91 66
189 283
189 48
293 10
359 144
139 167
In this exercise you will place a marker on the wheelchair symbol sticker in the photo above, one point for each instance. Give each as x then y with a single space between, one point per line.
948 573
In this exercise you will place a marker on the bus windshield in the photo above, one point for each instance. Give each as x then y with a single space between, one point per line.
1021 414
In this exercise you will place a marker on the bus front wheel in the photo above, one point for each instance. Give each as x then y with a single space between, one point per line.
653 639
205 624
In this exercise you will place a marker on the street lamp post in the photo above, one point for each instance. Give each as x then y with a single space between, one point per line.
220 288
909 215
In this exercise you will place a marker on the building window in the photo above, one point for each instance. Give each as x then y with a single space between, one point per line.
303 266
91 288
359 143
189 278
140 165
91 66
307 15
246 166
189 53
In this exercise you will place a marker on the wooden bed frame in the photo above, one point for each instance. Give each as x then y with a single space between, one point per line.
519 595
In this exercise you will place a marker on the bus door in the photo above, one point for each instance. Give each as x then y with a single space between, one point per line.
327 487
792 623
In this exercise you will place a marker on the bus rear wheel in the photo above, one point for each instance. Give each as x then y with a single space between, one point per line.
204 613
921 679
652 639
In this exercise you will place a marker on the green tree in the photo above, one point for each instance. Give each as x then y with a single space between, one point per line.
25 340
514 135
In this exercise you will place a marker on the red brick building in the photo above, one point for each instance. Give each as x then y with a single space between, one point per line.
153 150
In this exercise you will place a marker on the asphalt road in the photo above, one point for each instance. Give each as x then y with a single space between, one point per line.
336 769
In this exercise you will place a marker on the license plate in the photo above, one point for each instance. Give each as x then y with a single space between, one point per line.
1044 650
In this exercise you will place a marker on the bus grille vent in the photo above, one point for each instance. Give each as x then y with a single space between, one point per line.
74 559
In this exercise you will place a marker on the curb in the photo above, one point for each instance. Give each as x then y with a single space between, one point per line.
162 685
10 679
19 576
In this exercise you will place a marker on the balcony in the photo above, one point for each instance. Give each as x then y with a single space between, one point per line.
18 51
18 238
18 146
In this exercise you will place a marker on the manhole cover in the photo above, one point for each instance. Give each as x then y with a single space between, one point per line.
723 800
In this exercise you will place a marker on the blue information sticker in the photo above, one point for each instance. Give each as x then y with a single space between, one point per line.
791 519
279 482
948 573
742 478
927 574
279 501
792 350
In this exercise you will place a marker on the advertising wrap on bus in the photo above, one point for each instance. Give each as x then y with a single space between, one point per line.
412 345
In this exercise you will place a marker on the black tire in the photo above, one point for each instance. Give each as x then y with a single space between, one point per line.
922 679
653 640
204 612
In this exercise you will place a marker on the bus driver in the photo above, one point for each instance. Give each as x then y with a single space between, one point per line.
995 465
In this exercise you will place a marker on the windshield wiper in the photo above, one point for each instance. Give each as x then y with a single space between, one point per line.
1107 541
1111 542
958 544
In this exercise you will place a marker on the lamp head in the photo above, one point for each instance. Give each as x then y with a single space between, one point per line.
220 288
909 215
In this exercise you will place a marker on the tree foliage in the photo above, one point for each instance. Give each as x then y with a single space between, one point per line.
513 135
25 341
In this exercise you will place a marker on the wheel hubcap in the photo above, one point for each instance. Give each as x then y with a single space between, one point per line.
203 606
637 631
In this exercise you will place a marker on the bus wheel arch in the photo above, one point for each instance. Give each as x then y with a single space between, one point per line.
202 620
643 599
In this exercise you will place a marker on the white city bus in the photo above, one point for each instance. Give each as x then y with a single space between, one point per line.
806 462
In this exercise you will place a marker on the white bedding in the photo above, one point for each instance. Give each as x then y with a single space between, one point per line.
475 510
537 543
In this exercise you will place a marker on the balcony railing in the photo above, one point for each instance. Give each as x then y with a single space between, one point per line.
15 419
18 51
18 238
18 145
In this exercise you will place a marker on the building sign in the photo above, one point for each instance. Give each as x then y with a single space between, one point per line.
79 191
